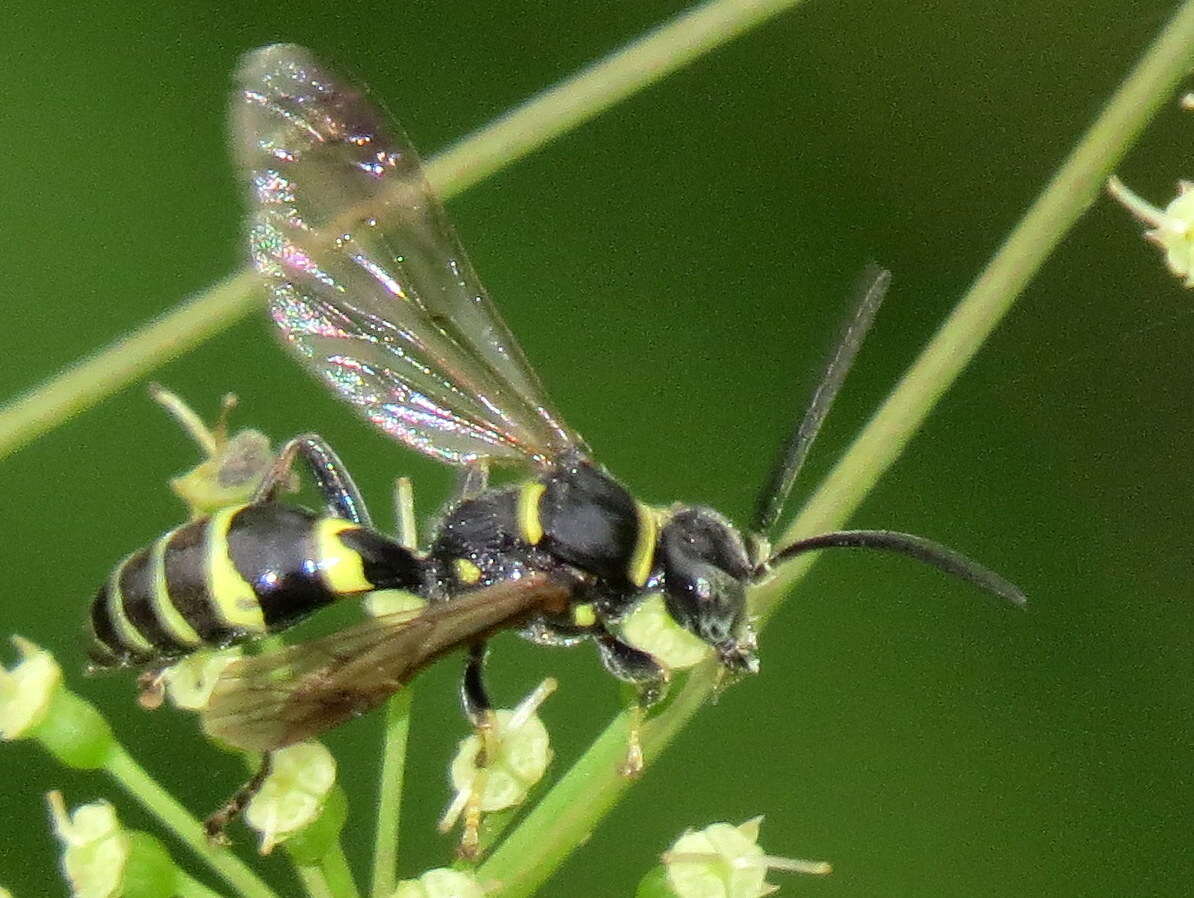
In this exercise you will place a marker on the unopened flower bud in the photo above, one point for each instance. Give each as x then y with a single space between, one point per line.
293 794
720 861
520 750
27 689
189 682
441 882
651 629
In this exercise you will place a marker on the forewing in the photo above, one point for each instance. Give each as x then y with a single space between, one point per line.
270 701
367 281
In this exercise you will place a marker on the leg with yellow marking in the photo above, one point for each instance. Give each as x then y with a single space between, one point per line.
649 679
335 484
479 709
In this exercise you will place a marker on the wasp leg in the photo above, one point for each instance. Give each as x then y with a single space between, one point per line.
215 824
479 710
649 679
342 498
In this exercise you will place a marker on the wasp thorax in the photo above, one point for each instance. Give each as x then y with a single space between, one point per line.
706 571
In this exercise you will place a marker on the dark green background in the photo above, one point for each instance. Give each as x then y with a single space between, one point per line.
677 269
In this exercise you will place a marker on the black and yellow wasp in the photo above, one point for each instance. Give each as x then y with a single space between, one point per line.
371 290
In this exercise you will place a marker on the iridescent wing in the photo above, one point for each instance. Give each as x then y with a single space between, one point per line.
367 281
274 700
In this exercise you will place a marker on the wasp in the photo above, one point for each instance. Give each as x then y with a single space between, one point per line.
369 287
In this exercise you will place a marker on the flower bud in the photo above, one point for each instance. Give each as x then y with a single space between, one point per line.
720 861
189 682
95 848
293 795
441 882
27 690
102 860
651 629
521 752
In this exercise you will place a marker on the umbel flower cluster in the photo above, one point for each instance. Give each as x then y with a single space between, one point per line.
299 805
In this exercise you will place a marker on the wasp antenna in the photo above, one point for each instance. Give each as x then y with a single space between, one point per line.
939 556
871 288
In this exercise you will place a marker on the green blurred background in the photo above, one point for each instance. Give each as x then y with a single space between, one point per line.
677 270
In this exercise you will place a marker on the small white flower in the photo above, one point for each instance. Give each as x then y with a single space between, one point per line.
651 629
95 848
189 683
522 754
27 689
725 861
234 465
441 882
293 794
5 893
1172 228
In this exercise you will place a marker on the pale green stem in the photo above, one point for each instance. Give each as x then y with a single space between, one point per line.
336 872
389 795
570 811
396 730
146 790
192 888
315 882
521 131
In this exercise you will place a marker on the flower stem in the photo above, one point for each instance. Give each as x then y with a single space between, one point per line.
389 794
337 874
570 811
315 882
121 766
193 888
539 120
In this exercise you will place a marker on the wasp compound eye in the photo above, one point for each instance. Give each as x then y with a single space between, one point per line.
705 570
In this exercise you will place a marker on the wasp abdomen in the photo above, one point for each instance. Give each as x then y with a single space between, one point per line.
242 572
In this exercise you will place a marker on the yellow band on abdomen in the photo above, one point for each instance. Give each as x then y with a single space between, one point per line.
341 569
232 597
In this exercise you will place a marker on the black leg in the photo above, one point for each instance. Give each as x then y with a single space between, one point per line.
340 494
479 710
649 679
215 825
473 694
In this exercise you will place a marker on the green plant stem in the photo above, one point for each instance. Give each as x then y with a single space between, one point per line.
337 874
570 811
193 888
389 794
315 882
121 766
512 136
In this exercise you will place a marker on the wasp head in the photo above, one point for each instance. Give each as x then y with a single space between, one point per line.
706 571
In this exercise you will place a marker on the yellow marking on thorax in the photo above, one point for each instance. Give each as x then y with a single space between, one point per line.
232 596
643 556
466 571
529 523
584 615
341 569
162 606
130 636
